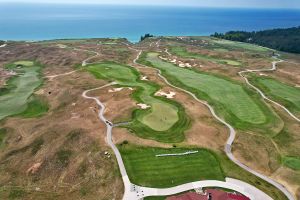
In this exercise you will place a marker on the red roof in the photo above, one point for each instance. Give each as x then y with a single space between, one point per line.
215 194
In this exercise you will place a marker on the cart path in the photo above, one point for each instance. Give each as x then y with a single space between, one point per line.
232 132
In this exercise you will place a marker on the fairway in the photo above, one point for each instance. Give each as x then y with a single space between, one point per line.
146 169
180 51
164 121
20 88
288 95
224 94
292 162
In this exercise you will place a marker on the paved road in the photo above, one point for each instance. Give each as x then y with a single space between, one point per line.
232 133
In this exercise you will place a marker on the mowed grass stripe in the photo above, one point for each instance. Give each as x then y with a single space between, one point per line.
144 168
165 121
223 94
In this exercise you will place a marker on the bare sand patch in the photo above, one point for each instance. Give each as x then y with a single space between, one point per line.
169 95
143 106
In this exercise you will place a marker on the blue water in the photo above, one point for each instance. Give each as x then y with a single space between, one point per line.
41 21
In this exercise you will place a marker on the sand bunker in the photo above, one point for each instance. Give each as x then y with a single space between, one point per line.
144 78
143 106
261 74
169 95
62 46
118 89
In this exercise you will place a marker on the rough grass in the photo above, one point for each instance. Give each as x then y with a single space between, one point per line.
230 99
286 94
292 162
165 121
15 99
145 169
181 51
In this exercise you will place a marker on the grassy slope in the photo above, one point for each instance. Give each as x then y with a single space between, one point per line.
147 170
16 97
144 168
292 162
165 121
181 51
230 99
288 95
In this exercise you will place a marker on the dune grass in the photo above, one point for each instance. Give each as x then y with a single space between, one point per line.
3 133
285 94
230 99
15 98
145 169
165 121
182 52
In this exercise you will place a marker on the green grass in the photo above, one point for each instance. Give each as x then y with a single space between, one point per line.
165 121
233 45
292 162
36 107
15 98
145 169
237 104
285 94
24 63
181 51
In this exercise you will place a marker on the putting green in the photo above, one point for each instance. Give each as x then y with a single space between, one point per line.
162 120
146 169
292 162
24 63
14 100
181 51
288 95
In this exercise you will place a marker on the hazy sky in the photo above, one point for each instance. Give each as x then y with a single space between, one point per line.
203 3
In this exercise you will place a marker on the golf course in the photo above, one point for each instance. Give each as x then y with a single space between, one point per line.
16 97
181 51
164 120
232 100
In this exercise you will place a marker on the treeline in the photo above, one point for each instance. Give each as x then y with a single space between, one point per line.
146 36
280 39
2 42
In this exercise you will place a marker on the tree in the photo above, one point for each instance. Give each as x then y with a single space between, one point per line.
148 35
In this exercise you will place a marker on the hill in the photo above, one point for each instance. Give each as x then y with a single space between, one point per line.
280 39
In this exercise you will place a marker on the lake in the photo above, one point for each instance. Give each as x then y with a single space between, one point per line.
50 21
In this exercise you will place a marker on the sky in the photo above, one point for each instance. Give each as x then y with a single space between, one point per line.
198 3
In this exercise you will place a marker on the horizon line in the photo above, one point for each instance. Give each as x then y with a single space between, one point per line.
152 5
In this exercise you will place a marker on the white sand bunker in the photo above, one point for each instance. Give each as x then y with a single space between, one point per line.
144 78
169 95
118 89
143 106
261 74
297 86
62 46
183 65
